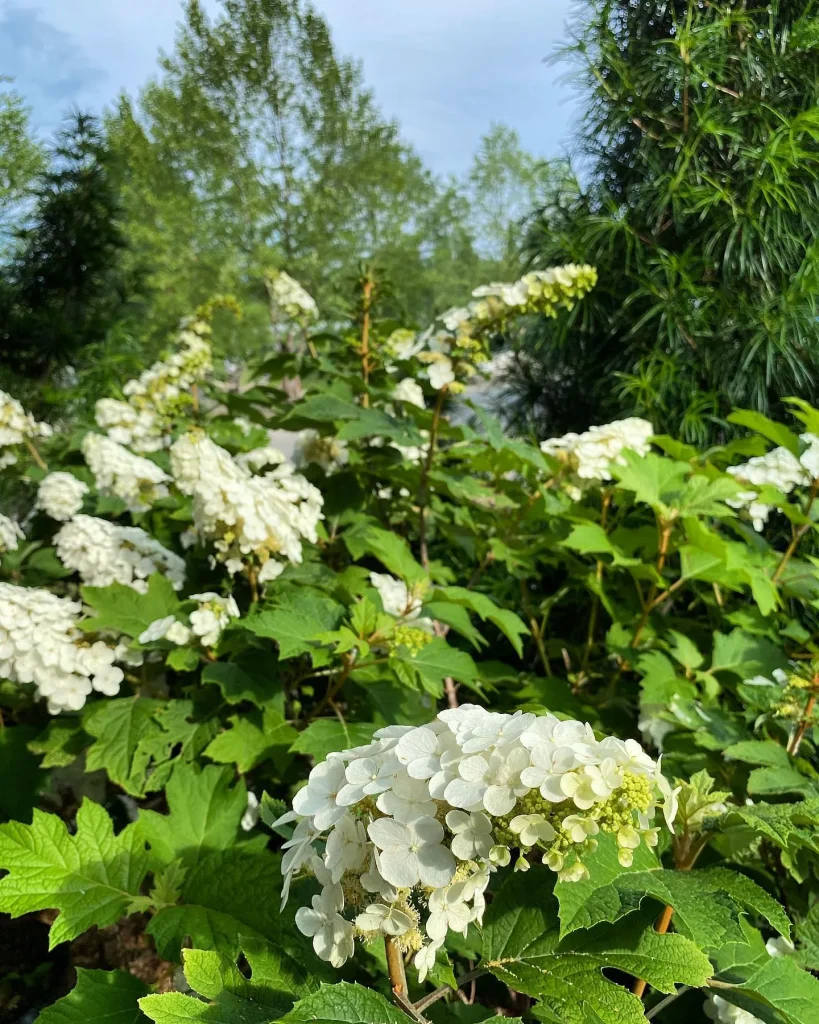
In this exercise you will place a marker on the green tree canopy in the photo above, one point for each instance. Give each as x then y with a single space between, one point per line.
504 184
698 204
259 145
21 157
63 287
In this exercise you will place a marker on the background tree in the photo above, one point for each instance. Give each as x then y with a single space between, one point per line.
504 184
21 158
259 145
63 286
699 207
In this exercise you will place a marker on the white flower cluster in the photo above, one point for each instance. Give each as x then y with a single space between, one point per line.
412 824
103 552
158 394
400 601
288 297
17 425
10 534
251 520
41 644
137 481
591 453
778 468
454 347
327 452
206 623
409 391
60 495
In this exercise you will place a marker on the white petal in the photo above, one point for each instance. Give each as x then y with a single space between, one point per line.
464 794
551 789
420 742
499 800
308 921
385 833
361 771
457 821
428 830
423 767
436 865
473 769
400 867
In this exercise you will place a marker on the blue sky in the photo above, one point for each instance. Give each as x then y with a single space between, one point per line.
444 68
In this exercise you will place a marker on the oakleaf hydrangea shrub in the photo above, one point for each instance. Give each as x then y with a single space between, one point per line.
325 698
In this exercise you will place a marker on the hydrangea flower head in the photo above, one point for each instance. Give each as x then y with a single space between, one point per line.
40 643
17 425
251 520
117 471
60 495
289 298
10 534
103 552
404 833
591 454
457 344
778 468
159 394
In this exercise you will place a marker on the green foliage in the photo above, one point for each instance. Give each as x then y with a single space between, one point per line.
345 1002
325 735
63 286
220 906
125 610
20 157
109 996
274 981
17 761
781 986
466 567
92 878
521 947
294 626
697 205
205 811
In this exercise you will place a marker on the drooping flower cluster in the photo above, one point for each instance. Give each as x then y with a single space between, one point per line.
778 468
206 622
159 394
10 534
60 495
327 452
41 644
252 521
117 471
288 298
403 833
590 454
103 552
457 343
17 426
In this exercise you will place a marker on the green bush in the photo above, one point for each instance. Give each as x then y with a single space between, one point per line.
191 624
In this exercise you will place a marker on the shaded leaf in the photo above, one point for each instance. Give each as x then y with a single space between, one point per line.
99 996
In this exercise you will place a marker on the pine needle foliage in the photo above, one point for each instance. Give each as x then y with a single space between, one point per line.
697 199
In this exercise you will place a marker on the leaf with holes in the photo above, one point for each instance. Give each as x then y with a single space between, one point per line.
523 949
